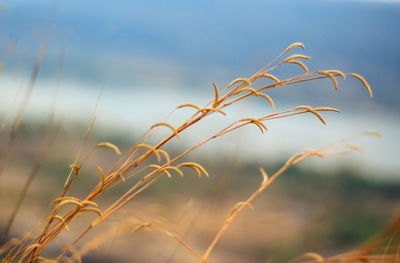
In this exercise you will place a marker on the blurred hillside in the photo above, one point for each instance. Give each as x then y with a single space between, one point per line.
304 210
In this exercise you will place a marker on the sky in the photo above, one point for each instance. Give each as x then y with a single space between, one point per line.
158 54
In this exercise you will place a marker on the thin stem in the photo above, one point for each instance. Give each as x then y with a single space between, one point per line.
237 211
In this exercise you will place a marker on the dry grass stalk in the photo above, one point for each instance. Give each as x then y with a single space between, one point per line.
364 82
294 160
129 164
16 126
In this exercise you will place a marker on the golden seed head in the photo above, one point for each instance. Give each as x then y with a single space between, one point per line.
172 168
264 175
188 105
91 209
296 44
296 56
373 133
213 109
337 72
301 64
257 122
355 147
195 166
110 146
326 109
216 98
328 74
266 75
151 148
364 82
166 155
247 88
238 205
271 102
245 80
166 125
294 158
313 111
314 152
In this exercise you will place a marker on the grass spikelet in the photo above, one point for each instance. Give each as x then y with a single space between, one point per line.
69 201
296 56
76 168
213 109
189 105
65 198
326 73
87 202
197 171
337 72
109 145
313 111
296 44
60 218
252 90
165 171
173 168
75 253
373 133
315 256
326 109
266 75
91 209
246 204
101 174
166 125
142 226
356 148
264 175
364 82
203 109
166 155
194 166
33 246
154 150
337 153
294 158
154 166
271 102
160 169
77 171
314 153
216 98
245 80
301 64
239 204
257 122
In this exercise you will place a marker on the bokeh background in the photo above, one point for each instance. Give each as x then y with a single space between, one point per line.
155 55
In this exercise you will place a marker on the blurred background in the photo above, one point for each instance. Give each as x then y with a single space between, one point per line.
154 55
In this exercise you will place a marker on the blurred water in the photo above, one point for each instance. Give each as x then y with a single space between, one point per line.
156 55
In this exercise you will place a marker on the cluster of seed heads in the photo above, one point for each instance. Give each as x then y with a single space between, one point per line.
133 162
